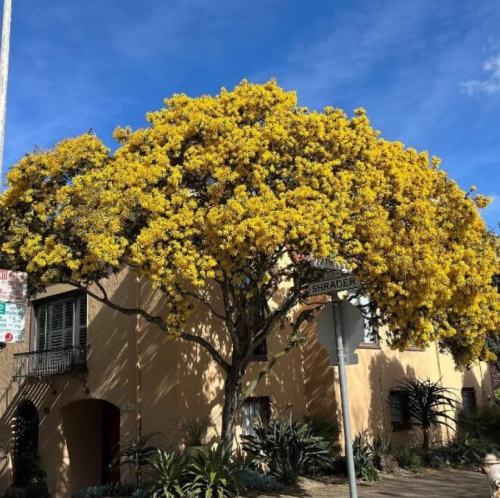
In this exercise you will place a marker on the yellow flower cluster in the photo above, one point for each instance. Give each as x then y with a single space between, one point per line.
217 186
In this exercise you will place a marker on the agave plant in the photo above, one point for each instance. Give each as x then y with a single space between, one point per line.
288 448
214 474
429 405
137 452
165 475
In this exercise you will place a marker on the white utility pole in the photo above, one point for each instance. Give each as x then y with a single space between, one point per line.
4 76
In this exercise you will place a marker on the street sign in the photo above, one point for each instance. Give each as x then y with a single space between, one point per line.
326 264
13 286
353 326
11 336
12 317
335 284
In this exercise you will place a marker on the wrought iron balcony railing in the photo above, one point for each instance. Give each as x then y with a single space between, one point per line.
60 361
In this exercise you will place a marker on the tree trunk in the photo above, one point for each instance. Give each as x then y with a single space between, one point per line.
426 443
232 390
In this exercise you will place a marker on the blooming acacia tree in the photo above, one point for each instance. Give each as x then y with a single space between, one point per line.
232 192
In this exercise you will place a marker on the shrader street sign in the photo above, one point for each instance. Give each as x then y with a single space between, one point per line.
353 331
13 286
334 284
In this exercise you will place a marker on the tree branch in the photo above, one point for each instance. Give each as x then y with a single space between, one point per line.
211 349
152 319
207 304
293 340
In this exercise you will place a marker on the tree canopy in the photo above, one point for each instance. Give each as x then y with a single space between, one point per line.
223 188
235 192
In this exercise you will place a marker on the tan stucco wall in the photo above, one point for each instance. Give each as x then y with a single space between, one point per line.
370 381
154 381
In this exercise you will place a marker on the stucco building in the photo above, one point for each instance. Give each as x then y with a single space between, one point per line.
87 377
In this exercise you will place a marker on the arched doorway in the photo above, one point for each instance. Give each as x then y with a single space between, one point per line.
92 432
26 441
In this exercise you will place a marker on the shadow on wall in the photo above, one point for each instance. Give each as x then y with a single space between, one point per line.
384 374
320 378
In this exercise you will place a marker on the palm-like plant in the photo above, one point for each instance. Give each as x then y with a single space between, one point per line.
214 474
137 452
166 475
429 405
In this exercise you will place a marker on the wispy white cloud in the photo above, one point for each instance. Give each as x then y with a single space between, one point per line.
488 85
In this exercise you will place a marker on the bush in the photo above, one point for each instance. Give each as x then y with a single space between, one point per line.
466 450
323 426
381 445
407 458
31 476
255 481
288 448
363 458
213 473
194 432
166 475
482 421
369 474
362 452
137 452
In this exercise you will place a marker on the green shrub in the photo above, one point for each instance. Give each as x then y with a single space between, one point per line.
482 421
288 448
362 452
136 452
437 458
369 474
256 481
467 450
363 455
381 445
407 458
323 426
194 432
213 474
166 475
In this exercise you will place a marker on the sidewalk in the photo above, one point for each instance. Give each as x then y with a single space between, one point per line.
427 484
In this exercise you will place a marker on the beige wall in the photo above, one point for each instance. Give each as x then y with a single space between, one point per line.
155 381
370 381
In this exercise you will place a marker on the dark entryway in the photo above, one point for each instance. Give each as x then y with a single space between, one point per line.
92 433
26 440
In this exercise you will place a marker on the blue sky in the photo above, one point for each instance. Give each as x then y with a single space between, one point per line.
427 71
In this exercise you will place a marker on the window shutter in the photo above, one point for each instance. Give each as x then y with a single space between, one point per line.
41 327
69 308
81 320
56 318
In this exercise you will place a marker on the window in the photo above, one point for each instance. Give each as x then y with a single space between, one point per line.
399 402
254 410
61 322
469 401
370 339
260 352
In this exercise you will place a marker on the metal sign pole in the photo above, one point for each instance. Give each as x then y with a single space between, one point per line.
345 400
4 76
